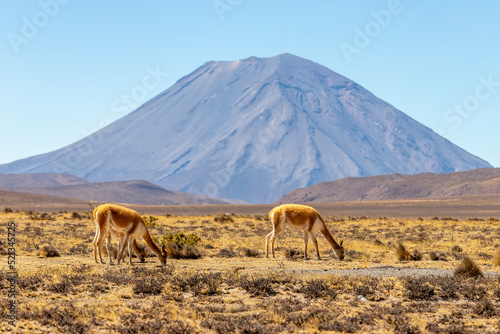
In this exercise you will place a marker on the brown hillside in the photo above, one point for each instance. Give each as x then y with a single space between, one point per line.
133 192
23 201
72 187
396 186
39 180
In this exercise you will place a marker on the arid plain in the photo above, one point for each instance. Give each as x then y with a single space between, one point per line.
217 279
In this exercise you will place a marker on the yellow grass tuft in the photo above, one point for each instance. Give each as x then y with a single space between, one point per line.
468 268
496 258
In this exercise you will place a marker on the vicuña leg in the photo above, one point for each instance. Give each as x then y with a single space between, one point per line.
315 242
94 243
101 235
272 237
108 248
306 239
268 237
126 241
123 243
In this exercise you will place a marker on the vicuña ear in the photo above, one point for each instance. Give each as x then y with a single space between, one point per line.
341 242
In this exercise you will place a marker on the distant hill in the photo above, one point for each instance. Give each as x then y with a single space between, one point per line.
25 201
397 186
39 180
68 186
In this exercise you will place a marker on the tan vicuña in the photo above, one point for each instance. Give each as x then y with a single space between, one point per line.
126 224
301 218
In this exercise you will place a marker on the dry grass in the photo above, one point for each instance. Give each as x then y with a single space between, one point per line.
468 268
233 288
496 258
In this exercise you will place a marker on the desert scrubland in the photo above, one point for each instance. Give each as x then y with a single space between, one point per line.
400 275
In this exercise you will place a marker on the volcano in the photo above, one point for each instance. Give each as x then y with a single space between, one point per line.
253 130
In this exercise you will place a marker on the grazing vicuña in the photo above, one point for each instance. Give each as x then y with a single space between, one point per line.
301 218
127 224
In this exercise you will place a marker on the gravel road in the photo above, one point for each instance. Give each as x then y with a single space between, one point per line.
389 271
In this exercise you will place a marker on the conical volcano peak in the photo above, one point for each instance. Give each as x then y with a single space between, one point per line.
285 68
253 130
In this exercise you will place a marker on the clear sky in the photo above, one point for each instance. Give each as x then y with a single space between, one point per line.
69 67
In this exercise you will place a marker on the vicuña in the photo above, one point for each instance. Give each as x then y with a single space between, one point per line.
301 218
125 223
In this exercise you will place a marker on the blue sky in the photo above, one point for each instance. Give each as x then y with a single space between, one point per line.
70 67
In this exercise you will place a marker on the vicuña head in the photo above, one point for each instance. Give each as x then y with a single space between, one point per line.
126 224
301 218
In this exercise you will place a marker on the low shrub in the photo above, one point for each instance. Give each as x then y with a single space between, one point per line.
31 282
182 246
176 251
249 252
417 255
418 288
79 216
404 255
66 317
41 216
224 218
62 286
433 256
227 252
468 268
293 254
318 288
448 288
181 239
258 286
148 285
247 323
48 251
484 308
150 220
205 283
80 249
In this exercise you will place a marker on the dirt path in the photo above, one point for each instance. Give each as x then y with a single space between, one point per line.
389 271
259 265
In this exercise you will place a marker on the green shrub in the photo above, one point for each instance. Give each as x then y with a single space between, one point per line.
182 246
181 239
150 220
